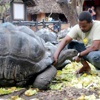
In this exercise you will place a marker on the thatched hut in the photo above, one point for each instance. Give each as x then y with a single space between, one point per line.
45 6
45 9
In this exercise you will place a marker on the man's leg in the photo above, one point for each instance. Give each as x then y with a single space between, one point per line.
94 58
80 47
76 45
85 68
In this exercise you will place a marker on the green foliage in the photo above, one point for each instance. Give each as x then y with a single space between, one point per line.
4 91
3 9
67 78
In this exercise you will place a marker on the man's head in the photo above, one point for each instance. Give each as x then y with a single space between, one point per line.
85 21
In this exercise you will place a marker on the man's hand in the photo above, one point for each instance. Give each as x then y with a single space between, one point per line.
62 44
55 59
76 58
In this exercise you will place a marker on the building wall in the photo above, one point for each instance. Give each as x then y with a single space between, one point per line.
29 17
41 16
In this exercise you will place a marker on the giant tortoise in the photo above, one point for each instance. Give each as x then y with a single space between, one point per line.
24 58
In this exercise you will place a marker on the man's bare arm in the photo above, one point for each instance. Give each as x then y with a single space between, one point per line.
62 44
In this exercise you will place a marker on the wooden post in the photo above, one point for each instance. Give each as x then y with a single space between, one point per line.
59 26
36 25
43 24
3 20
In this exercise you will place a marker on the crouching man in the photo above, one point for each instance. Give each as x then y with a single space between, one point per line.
89 48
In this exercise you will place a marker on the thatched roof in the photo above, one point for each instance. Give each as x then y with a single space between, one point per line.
29 3
42 6
45 6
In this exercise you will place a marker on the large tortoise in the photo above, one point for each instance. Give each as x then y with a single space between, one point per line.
24 58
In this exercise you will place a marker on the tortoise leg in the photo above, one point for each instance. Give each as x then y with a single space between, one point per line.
43 80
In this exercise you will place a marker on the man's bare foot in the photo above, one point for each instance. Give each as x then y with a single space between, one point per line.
84 69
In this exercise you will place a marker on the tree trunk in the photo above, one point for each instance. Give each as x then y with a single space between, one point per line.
80 6
69 11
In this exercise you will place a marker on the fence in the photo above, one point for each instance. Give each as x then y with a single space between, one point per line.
2 20
56 24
